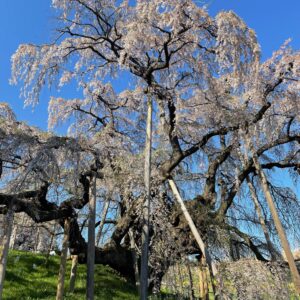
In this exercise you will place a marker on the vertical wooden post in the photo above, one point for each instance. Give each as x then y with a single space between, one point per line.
173 280
201 284
14 235
146 206
180 278
37 238
4 246
191 285
91 241
73 273
50 244
203 280
63 261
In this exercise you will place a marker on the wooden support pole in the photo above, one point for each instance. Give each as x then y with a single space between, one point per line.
277 222
91 240
146 206
73 273
195 232
63 261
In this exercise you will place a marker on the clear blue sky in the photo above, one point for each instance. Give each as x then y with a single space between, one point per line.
33 21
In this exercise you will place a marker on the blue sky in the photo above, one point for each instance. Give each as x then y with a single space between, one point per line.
33 21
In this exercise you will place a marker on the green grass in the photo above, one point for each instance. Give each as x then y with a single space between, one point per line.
27 277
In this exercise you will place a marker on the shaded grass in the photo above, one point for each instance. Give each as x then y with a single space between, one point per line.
28 277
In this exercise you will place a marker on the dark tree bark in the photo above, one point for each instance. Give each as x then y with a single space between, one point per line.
4 245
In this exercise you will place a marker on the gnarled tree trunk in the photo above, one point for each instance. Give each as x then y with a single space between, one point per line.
4 246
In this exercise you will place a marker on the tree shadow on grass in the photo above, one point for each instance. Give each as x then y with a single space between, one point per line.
110 288
11 276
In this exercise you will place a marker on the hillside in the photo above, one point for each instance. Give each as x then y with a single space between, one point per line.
28 277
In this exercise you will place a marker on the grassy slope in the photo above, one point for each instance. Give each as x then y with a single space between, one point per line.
27 277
